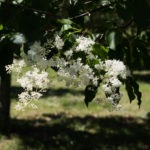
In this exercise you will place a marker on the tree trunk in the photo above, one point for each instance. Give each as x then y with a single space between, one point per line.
5 82
6 57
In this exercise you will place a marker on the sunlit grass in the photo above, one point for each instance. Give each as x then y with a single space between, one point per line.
70 100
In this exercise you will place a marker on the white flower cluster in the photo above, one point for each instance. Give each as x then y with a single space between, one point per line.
26 99
74 71
59 43
37 56
18 38
34 82
9 68
16 66
115 68
77 74
17 1
115 71
30 81
84 44
34 79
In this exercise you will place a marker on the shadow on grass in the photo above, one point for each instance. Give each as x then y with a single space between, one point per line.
50 92
61 132
142 77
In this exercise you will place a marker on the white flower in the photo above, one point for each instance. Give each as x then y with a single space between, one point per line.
17 1
26 100
34 78
73 71
17 66
36 95
110 99
19 107
84 44
26 83
69 53
9 68
115 82
31 53
59 43
33 106
24 97
118 107
107 89
37 56
21 63
36 50
18 38
95 81
115 68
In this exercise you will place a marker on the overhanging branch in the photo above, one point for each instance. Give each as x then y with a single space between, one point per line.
88 13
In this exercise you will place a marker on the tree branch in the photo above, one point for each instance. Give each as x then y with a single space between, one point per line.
41 11
88 13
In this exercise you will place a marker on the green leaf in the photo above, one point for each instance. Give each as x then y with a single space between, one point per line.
90 93
66 27
130 90
133 90
65 21
100 51
137 92
113 39
1 27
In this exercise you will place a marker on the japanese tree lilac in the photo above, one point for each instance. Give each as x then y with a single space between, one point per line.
84 44
74 71
58 43
115 69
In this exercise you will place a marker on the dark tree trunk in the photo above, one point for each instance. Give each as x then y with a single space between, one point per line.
6 57
5 82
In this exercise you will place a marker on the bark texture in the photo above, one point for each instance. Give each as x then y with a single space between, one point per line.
5 82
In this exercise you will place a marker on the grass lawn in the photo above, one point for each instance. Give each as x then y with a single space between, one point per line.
63 122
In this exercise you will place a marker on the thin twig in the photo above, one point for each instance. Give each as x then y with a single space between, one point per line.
88 13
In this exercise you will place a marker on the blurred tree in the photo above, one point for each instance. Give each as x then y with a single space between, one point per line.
123 26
